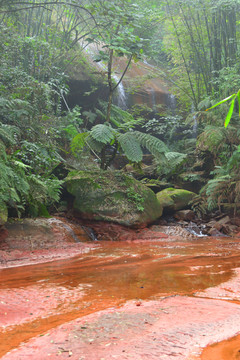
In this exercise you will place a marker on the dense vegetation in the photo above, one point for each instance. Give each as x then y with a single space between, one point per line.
194 43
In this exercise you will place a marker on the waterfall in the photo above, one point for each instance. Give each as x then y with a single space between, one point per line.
121 97
195 123
121 94
153 99
172 104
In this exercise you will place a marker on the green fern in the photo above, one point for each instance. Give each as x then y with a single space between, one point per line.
3 154
119 118
211 138
234 162
155 146
8 133
130 147
43 190
175 158
90 116
170 163
103 133
78 142
219 190
94 144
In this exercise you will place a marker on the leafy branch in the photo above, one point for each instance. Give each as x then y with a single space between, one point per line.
233 99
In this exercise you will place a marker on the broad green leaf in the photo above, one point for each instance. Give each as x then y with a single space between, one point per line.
222 101
130 147
229 115
102 133
238 95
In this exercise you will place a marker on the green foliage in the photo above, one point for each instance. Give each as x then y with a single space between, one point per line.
42 158
78 142
219 190
8 134
72 122
220 142
196 42
31 86
102 133
211 138
224 188
172 165
136 198
233 98
152 144
131 147
200 40
122 137
233 163
119 118
20 189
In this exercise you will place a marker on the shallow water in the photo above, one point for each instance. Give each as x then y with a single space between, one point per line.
37 298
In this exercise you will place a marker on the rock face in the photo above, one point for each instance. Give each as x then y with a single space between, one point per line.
143 85
174 199
185 215
112 196
3 214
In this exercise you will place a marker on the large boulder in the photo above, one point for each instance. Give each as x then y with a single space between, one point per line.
3 213
112 196
174 199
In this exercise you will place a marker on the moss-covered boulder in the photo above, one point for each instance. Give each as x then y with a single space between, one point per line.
174 199
112 196
3 214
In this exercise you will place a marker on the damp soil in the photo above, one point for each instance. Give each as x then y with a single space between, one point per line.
172 297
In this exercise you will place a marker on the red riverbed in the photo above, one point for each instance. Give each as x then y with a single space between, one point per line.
166 298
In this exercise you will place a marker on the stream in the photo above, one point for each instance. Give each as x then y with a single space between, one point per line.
163 299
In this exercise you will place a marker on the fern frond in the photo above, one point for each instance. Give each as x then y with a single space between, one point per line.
100 114
78 142
175 158
122 116
3 154
7 133
132 124
102 133
131 147
119 117
218 190
211 138
93 144
44 190
91 116
14 103
156 147
170 163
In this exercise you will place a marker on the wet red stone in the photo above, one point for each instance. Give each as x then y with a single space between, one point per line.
170 328
114 232
149 298
38 241
225 350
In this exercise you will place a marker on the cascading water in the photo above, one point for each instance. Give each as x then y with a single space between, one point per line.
172 104
195 124
121 97
121 94
153 98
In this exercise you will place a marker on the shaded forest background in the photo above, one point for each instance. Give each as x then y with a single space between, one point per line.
192 45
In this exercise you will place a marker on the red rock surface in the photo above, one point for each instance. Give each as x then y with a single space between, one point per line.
171 328
32 241
149 297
